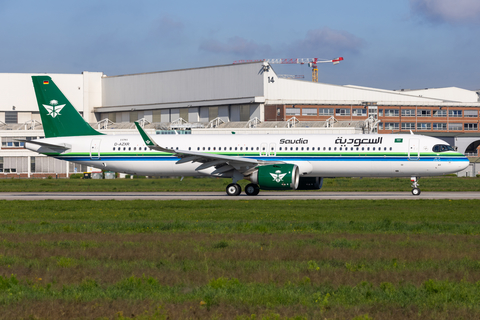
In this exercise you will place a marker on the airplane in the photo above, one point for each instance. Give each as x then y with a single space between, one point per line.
268 161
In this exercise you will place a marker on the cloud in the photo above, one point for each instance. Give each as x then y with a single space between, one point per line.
168 29
326 42
455 12
235 46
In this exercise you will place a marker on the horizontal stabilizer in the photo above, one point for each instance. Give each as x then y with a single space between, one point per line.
46 144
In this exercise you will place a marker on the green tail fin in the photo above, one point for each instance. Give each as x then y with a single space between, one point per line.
59 117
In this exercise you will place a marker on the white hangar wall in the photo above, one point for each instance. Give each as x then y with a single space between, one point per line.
17 94
288 91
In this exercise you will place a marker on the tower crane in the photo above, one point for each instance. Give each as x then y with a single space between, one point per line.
311 62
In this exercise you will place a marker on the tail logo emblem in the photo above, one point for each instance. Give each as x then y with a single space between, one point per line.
278 176
54 109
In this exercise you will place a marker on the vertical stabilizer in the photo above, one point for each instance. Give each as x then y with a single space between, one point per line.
59 117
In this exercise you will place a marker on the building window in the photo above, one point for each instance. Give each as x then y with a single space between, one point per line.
12 142
32 164
183 113
244 112
408 112
439 113
408 126
293 112
455 126
309 111
439 126
471 113
325 112
470 126
11 117
455 114
424 113
213 113
391 112
391 125
424 126
342 112
361 112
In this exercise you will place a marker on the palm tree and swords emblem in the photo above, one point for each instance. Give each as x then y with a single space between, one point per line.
278 176
54 109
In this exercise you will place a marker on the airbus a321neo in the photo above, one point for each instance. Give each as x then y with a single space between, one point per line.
268 161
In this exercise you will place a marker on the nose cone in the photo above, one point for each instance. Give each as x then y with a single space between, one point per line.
459 164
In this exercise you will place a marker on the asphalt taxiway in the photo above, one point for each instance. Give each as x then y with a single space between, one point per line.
267 195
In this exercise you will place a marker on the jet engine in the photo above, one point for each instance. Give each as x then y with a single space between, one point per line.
276 177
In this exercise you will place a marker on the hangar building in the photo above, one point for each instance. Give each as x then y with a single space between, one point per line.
226 96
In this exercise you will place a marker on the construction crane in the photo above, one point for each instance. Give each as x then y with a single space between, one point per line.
311 62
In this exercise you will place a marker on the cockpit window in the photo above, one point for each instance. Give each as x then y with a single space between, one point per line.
442 148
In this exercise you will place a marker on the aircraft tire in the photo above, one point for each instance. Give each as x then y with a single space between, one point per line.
416 191
252 189
233 189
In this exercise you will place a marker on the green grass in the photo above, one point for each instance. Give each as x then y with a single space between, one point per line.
445 183
303 259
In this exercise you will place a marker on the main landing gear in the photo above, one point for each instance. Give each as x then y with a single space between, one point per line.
415 190
234 189
252 189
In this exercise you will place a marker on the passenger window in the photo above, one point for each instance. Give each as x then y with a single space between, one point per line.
113 148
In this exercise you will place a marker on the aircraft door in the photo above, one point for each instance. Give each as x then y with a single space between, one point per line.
414 149
272 150
95 149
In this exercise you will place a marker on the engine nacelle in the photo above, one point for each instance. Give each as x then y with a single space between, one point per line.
310 183
276 177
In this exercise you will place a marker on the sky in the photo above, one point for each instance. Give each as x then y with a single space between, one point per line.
395 44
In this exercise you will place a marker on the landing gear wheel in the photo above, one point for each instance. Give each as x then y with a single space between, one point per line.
252 189
416 191
233 189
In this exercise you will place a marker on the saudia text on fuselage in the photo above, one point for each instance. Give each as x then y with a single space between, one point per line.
357 142
296 141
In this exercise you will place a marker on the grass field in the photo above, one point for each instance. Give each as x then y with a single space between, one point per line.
445 183
385 259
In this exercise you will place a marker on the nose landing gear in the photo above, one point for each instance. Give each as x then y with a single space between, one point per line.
415 190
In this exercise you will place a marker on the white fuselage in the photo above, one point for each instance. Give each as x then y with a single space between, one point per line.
390 155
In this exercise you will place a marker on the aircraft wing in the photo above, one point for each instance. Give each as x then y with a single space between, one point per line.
221 163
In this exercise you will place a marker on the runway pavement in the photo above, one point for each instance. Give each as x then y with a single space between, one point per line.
267 195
